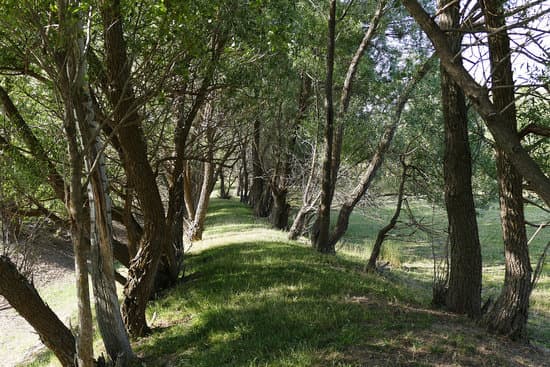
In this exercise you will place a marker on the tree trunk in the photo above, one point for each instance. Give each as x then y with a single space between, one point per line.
202 206
371 264
280 208
376 161
509 314
81 246
320 233
464 292
109 319
260 196
308 203
143 267
69 72
24 298
243 177
299 223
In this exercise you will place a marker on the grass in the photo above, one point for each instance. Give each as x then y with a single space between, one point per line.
414 252
252 298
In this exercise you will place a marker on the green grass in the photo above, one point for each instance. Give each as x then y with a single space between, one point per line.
414 252
253 298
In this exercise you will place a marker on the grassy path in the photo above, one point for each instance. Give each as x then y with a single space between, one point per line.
252 298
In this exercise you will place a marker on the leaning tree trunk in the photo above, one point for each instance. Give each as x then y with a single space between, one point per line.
320 236
376 161
197 226
23 297
509 314
464 292
371 264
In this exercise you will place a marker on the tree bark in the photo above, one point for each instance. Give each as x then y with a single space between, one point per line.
509 314
69 71
505 137
107 308
280 208
24 298
243 175
464 292
143 267
320 234
202 206
260 196
81 245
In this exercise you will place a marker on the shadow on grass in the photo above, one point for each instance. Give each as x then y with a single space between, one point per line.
276 304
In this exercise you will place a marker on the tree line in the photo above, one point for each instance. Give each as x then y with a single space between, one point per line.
132 112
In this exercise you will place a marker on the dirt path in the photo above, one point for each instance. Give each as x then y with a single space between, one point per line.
53 274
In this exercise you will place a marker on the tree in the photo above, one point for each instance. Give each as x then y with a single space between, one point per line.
464 292
509 314
321 237
504 136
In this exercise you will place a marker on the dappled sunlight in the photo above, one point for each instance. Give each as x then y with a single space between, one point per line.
251 297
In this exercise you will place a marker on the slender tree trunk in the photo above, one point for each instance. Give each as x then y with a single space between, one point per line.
320 233
320 236
243 178
204 199
371 264
81 246
509 314
464 292
279 181
24 298
69 71
376 161
225 187
308 204
107 307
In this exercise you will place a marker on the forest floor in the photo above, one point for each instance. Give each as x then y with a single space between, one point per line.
252 298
